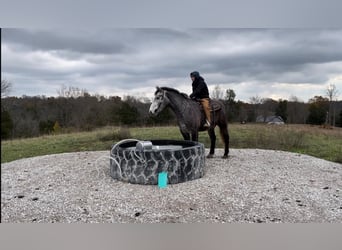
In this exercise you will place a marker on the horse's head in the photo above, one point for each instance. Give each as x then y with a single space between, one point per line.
160 101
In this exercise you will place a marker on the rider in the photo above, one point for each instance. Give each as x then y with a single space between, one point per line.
200 91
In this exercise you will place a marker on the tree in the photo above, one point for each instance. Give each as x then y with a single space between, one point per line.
255 99
6 124
267 107
318 109
6 120
297 110
164 117
217 93
6 88
46 127
71 92
332 93
254 112
232 107
230 96
281 109
128 114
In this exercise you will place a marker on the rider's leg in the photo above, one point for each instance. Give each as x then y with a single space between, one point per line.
206 108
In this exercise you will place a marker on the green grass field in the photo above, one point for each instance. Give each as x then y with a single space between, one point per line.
311 140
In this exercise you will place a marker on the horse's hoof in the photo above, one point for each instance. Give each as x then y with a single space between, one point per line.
225 157
210 156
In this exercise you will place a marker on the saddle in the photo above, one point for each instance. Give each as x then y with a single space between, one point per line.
214 105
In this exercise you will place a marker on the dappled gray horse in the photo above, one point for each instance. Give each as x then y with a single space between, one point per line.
191 117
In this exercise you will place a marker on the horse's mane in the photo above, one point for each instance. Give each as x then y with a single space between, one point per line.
176 91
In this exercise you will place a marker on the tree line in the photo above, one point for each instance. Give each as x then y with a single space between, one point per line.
77 110
319 110
34 116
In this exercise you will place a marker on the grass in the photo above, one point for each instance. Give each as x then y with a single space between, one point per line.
305 139
311 140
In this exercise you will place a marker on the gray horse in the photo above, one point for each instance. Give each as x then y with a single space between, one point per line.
191 117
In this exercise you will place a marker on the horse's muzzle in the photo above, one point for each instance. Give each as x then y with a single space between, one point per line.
152 112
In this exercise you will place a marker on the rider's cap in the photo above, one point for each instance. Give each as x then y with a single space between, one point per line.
194 74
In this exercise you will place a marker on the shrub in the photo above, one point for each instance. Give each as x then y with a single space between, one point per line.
56 128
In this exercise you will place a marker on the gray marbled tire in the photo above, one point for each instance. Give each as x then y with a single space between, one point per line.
184 164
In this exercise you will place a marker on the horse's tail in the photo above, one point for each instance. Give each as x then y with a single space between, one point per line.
223 131
223 125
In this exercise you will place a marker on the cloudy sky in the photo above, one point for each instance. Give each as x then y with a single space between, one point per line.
269 63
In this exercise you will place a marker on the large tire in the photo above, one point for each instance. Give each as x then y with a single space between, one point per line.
182 164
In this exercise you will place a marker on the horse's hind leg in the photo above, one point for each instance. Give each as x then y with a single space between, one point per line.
186 136
225 138
211 132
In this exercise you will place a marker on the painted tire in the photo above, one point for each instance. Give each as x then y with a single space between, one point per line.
183 164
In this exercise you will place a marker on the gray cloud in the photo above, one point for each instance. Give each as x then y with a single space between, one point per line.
176 13
129 61
82 42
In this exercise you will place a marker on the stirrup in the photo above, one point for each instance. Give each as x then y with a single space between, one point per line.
207 124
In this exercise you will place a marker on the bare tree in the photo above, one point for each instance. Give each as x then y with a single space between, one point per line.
230 95
6 87
256 102
217 93
71 92
332 94
295 113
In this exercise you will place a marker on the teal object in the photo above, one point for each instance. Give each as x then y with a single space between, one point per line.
162 180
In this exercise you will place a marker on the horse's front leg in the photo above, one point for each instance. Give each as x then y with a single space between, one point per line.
211 132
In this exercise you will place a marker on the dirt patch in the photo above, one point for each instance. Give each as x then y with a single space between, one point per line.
252 185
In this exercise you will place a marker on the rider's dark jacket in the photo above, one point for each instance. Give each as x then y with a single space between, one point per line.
199 89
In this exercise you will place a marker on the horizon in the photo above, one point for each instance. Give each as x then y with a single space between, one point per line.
145 99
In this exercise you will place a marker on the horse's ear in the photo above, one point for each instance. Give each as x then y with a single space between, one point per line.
158 89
